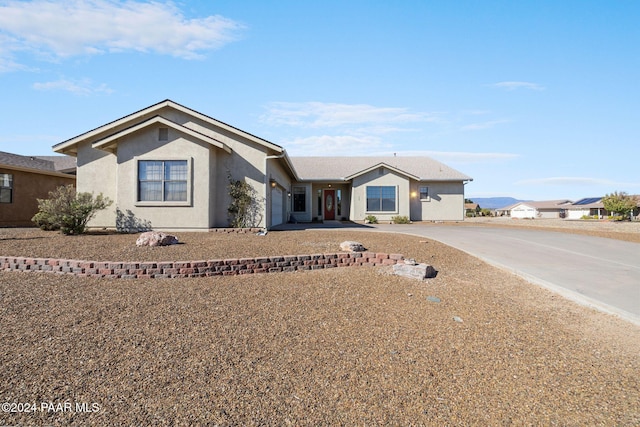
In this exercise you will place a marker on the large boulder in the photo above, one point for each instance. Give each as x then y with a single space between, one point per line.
156 238
350 246
413 270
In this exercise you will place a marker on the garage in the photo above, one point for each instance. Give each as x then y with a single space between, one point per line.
277 211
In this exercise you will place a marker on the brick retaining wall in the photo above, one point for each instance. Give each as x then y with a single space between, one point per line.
182 269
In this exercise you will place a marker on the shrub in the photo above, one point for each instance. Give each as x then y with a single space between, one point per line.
245 207
400 219
371 219
67 210
620 203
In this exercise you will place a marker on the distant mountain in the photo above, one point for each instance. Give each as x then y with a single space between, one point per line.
495 202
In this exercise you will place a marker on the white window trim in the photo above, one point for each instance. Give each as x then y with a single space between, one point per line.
426 199
397 193
186 203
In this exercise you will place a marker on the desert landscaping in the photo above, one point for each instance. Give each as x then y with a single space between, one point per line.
357 346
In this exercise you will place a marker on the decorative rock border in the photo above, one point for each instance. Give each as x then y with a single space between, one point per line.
184 269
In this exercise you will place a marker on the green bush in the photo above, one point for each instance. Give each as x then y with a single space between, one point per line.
245 207
400 220
67 210
371 219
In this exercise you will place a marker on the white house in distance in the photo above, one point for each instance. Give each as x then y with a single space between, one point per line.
542 209
169 166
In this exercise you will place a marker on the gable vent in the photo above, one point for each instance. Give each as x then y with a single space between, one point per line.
163 134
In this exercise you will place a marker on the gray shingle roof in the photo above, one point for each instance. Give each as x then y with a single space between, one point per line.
61 163
43 163
338 168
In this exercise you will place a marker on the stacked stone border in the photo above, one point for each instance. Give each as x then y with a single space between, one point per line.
184 269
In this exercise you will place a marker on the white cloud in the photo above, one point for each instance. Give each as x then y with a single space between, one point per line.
77 27
484 125
78 87
329 115
347 144
576 181
518 85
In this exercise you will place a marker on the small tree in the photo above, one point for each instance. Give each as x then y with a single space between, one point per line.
245 207
619 203
67 210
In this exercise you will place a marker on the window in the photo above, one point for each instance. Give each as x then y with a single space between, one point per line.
163 134
299 199
162 180
6 188
381 199
424 193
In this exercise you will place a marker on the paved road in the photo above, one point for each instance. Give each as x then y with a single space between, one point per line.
599 272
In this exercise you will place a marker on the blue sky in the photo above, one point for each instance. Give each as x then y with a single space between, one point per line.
533 99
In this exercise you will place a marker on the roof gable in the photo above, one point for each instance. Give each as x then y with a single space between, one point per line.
105 131
109 142
382 165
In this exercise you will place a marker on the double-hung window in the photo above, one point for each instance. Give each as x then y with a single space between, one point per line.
162 180
381 199
424 193
6 188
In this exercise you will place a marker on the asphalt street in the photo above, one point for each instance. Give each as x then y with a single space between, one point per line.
594 271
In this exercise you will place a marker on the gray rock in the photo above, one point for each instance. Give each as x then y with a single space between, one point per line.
415 271
433 299
457 319
156 238
350 246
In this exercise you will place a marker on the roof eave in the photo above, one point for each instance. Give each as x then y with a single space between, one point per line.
38 171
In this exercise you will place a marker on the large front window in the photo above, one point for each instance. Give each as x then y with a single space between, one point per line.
381 199
6 188
162 180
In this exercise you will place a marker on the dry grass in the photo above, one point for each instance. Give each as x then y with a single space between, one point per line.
336 347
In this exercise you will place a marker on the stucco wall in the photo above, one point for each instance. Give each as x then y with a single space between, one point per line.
382 177
96 172
144 145
445 202
27 187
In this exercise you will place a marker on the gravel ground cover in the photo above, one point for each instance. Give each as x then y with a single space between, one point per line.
355 346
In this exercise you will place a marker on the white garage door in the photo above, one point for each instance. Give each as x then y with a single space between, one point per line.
276 206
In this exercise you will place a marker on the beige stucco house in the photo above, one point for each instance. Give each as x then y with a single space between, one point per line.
169 166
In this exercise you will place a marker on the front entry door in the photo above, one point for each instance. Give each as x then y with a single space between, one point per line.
329 204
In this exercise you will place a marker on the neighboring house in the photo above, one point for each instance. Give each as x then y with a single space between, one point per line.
169 166
472 209
589 206
542 209
23 179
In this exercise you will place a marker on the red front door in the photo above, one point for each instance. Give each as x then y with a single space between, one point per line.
329 204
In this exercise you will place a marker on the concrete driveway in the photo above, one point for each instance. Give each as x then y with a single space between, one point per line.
598 272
